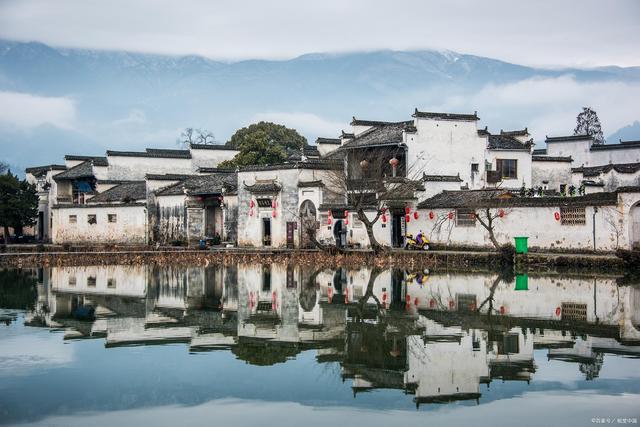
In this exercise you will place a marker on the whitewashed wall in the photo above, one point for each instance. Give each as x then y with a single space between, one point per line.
611 180
555 173
130 228
130 281
447 147
203 158
537 223
135 168
577 150
523 166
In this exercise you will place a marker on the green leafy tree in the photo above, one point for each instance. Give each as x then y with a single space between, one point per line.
262 144
587 123
18 203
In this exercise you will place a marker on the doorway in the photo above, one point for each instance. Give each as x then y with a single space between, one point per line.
340 234
40 225
210 221
291 227
397 236
266 231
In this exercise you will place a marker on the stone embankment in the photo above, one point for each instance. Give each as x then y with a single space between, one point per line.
29 256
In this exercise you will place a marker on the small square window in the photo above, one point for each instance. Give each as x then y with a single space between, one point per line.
465 218
72 280
73 219
112 218
91 219
111 283
475 167
91 281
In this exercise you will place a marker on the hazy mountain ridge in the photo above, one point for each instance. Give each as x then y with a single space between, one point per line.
132 100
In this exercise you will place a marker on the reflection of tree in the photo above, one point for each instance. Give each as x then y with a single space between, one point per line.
592 369
17 290
265 353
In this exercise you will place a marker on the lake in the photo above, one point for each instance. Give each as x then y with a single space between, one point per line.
253 344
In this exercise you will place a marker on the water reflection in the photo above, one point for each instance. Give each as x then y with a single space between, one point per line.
435 336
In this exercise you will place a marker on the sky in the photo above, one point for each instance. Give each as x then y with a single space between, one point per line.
540 33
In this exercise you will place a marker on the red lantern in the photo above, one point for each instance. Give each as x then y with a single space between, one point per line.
452 304
415 301
501 213
450 215
346 217
558 311
384 219
432 303
502 309
384 211
407 210
273 213
408 297
415 215
273 203
407 218
431 215
329 221
251 203
556 215
250 212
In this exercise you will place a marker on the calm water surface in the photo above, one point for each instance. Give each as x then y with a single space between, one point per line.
266 344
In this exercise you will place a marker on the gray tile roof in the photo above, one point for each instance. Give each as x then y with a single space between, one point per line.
446 116
520 132
536 158
333 141
357 122
211 147
263 188
39 170
316 183
567 138
123 193
388 134
97 160
623 145
502 198
506 142
152 152
317 164
166 177
200 185
441 178
618 167
83 170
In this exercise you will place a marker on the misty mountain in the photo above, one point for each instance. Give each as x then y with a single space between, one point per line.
126 100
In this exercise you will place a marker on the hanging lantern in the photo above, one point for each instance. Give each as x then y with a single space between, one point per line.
273 213
346 217
251 203
407 218
408 298
431 215
432 303
250 212
415 301
384 219
452 304
415 215
501 213
407 210
556 215
450 215
383 210
273 203
558 311
502 309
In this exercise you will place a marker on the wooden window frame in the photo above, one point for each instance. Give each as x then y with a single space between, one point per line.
500 166
465 218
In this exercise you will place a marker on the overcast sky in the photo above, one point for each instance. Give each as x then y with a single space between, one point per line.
541 32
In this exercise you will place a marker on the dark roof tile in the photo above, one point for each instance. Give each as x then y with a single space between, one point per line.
200 185
97 160
446 116
83 170
506 142
211 147
123 193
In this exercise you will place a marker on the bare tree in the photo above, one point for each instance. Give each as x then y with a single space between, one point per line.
488 218
205 137
373 182
195 136
613 218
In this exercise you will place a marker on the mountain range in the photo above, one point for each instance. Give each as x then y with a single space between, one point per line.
55 101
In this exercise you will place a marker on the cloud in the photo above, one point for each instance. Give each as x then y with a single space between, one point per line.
304 123
541 32
23 110
549 106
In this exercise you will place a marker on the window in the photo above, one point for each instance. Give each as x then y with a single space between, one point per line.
111 283
475 167
91 281
264 203
508 168
573 216
91 219
73 219
266 277
465 218
574 311
510 344
72 280
324 219
112 218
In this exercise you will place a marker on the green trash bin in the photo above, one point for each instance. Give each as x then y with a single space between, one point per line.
522 282
521 245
